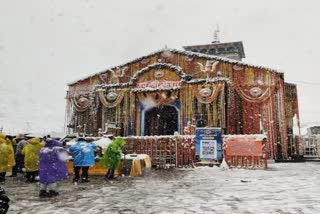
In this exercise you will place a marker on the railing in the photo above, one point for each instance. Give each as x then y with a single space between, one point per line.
165 151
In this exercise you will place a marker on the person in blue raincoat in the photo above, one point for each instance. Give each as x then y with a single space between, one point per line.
83 157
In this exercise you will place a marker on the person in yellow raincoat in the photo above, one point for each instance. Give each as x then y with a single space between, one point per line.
4 154
11 161
31 158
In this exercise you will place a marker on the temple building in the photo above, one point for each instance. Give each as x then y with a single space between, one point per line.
174 91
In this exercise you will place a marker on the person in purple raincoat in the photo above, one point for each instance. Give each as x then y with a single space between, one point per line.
52 167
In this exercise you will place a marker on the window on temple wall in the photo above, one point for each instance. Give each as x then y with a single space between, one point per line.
230 49
212 51
110 115
221 50
203 51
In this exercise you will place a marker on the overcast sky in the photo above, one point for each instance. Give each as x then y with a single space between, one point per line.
44 44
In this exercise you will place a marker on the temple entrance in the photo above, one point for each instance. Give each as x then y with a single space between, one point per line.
161 120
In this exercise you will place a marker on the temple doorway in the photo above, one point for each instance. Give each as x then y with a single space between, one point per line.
161 120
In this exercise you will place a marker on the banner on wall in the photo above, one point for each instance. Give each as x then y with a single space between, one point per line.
245 151
209 144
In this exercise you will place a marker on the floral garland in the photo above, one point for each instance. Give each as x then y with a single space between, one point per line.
139 90
175 68
259 98
108 104
211 80
69 114
212 97
108 86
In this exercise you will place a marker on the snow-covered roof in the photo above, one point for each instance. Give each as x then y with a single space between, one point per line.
187 53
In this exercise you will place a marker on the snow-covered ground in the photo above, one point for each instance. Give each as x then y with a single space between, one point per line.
283 188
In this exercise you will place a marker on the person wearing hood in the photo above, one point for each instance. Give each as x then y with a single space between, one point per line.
83 157
10 155
4 159
31 158
112 156
21 142
52 167
12 161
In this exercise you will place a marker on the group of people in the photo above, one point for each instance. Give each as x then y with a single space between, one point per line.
46 159
8 155
18 153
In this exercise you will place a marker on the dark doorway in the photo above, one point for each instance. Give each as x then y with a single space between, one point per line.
161 120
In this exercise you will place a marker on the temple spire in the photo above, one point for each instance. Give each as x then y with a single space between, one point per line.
216 35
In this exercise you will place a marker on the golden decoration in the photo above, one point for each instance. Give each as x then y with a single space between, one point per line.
80 103
109 104
245 93
204 97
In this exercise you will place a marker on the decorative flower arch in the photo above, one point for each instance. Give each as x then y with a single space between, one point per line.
255 93
174 68
208 93
253 85
115 98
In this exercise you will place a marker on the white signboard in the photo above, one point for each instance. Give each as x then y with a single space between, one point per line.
208 149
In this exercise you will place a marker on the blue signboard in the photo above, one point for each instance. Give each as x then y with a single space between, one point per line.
209 144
